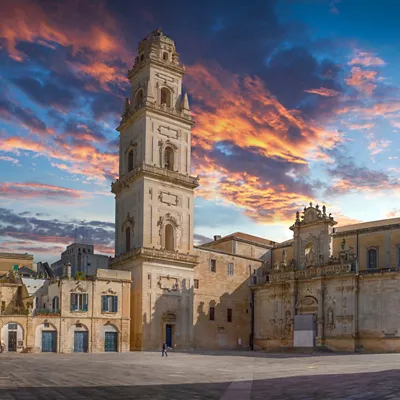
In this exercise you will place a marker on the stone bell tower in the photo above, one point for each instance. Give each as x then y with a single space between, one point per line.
154 194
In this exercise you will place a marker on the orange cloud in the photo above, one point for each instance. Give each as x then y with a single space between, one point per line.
244 112
377 146
362 80
323 92
394 213
28 21
366 59
84 159
29 190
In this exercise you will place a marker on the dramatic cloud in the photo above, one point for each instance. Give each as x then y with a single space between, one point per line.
362 80
29 190
36 231
366 59
323 92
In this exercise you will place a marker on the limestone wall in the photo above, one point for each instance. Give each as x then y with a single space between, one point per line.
223 292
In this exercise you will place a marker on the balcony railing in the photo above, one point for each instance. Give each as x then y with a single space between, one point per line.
47 311
167 175
158 254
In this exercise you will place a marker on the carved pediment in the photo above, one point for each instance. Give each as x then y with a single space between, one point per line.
79 288
169 317
109 291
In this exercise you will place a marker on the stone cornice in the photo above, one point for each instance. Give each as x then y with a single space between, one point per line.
169 112
168 65
352 232
189 260
163 174
218 251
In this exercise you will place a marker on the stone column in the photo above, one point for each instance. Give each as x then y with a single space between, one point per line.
320 317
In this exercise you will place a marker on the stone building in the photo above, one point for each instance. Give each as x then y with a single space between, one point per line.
9 261
328 286
82 259
332 287
85 315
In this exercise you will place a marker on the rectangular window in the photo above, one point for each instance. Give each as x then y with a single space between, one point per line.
212 314
213 265
229 315
12 327
196 283
109 303
254 280
230 269
79 302
149 280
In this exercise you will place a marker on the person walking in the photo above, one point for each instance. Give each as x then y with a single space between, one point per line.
2 346
164 350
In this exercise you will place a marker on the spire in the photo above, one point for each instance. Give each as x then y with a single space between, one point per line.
185 103
127 107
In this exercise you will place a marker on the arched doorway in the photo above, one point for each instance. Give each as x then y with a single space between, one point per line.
46 338
305 322
12 334
110 335
78 338
169 331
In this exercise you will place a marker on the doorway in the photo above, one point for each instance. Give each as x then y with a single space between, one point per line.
81 341
168 335
111 341
49 342
12 340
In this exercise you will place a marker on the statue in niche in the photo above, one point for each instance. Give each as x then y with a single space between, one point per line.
343 244
284 257
329 319
310 254
288 324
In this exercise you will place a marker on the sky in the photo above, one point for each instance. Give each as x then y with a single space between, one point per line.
294 102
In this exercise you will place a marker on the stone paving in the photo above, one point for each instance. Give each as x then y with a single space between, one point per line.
219 375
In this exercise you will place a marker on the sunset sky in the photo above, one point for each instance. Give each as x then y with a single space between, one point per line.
294 101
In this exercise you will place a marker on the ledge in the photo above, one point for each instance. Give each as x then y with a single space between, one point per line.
173 177
180 115
154 254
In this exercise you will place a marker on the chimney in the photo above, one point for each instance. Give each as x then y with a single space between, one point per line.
217 237
68 271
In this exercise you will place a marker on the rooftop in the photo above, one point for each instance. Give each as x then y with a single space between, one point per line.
242 236
366 225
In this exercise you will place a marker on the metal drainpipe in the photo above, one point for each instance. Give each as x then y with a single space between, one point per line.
252 320
60 305
91 341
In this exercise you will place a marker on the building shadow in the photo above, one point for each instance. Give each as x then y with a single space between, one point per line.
371 385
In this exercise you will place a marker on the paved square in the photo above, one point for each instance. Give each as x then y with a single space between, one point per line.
219 375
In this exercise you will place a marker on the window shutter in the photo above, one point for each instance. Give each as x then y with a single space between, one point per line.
73 302
103 303
115 301
85 302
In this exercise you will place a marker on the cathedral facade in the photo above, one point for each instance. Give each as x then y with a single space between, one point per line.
238 291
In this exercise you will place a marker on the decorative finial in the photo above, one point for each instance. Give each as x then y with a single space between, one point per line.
297 216
317 206
324 210
185 103
310 204
343 243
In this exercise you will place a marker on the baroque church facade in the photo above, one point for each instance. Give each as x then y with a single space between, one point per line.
334 287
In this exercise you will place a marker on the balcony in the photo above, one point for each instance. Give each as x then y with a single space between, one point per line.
48 312
173 177
156 254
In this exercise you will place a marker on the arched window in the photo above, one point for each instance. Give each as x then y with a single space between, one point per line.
56 303
139 97
165 56
127 239
165 97
169 237
372 258
130 161
169 158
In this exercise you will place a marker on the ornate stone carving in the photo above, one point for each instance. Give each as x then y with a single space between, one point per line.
168 198
110 292
168 283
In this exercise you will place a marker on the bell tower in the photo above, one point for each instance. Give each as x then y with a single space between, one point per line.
154 192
